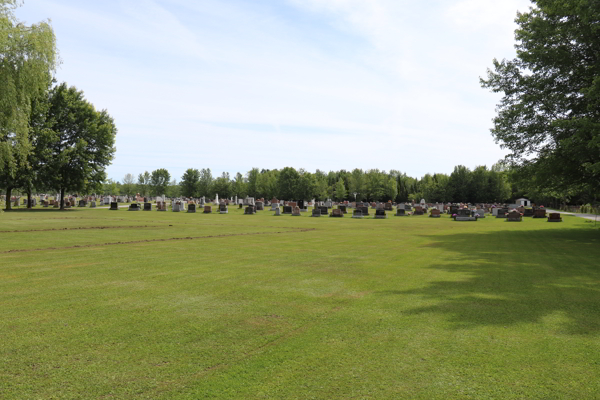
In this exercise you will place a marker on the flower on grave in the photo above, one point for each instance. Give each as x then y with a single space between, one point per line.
453 215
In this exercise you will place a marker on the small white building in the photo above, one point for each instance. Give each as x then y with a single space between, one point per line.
523 202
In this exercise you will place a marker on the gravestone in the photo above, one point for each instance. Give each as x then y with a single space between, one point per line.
480 212
514 216
316 212
114 206
287 209
176 207
400 212
407 207
324 210
82 203
364 210
388 206
147 206
380 214
419 210
435 213
207 210
296 212
134 207
528 212
343 208
301 204
539 213
501 213
554 217
191 208
464 214
357 213
260 206
337 213
277 211
274 206
249 210
241 206
223 209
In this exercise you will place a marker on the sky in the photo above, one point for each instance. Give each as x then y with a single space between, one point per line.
316 84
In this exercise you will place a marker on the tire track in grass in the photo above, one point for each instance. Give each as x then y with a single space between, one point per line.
83 228
294 230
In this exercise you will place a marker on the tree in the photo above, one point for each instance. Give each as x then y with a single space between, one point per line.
306 185
288 182
110 187
189 182
321 186
459 182
143 183
128 187
205 183
173 189
239 186
222 185
252 179
77 142
27 61
267 184
340 190
549 116
374 185
159 181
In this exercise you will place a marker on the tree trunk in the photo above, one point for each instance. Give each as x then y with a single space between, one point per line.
8 194
29 199
62 198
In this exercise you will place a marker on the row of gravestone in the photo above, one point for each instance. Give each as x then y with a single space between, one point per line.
459 215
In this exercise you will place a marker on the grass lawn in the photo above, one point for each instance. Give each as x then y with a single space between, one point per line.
160 305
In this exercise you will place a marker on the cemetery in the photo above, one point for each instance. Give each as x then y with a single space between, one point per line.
187 303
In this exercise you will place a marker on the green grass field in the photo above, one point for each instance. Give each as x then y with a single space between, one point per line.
106 304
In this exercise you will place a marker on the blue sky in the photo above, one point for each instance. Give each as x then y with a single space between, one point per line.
327 84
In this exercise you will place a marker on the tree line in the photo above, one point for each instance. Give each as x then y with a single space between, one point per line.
481 185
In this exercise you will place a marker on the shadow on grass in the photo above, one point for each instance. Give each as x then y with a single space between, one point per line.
512 277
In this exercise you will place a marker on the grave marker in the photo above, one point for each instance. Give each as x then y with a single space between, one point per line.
380 214
337 213
554 217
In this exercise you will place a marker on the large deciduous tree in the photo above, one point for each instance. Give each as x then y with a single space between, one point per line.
549 116
77 142
27 60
